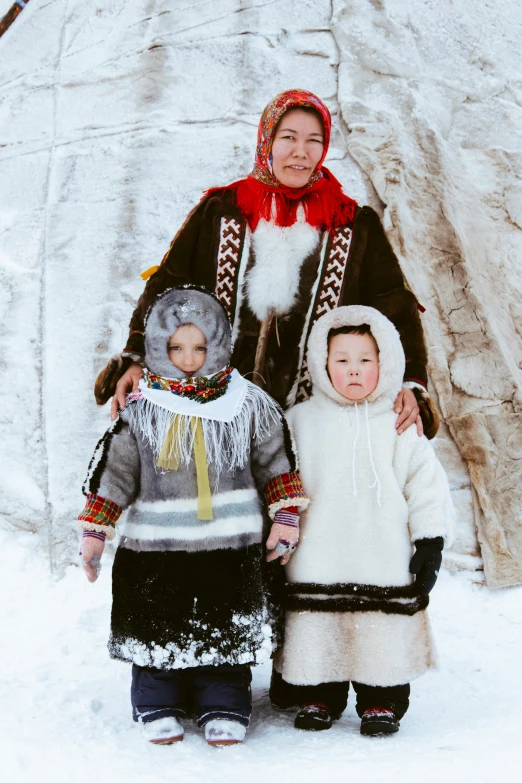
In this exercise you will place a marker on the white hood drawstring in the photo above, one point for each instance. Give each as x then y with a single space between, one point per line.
353 450
376 483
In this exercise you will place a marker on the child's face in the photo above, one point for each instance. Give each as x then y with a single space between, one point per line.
353 365
187 349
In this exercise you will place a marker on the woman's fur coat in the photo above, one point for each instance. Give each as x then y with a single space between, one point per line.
298 272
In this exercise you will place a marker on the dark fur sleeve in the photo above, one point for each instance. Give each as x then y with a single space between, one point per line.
189 259
114 470
272 455
428 413
376 280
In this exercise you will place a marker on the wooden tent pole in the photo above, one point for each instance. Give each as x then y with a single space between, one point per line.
15 10
262 343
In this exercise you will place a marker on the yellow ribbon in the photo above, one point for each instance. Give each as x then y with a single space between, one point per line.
200 458
149 272
169 459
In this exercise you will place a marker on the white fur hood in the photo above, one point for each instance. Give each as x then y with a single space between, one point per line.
391 353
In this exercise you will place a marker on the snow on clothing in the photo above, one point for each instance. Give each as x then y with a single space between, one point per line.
353 611
292 274
193 589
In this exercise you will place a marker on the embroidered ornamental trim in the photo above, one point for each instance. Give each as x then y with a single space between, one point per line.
228 256
327 296
285 490
198 388
100 511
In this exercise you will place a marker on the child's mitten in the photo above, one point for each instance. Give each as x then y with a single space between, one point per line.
284 535
92 546
426 563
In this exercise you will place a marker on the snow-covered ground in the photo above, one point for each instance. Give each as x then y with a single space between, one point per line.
64 705
113 118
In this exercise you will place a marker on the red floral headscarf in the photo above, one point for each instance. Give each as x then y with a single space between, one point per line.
274 112
261 196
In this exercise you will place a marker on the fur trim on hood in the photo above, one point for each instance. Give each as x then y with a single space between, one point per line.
187 305
391 353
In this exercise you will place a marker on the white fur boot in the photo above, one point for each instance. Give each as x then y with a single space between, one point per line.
163 731
224 732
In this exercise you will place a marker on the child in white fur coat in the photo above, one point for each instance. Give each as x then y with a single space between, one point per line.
380 512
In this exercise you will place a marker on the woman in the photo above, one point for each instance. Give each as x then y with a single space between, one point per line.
280 248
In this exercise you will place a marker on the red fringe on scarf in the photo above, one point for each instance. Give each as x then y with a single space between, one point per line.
325 205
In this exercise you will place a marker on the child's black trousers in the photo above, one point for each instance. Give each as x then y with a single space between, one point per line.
207 692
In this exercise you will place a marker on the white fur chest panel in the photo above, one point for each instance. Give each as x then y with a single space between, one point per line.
273 281
341 450
368 520
371 493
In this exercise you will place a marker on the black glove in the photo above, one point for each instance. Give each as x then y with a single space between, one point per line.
426 562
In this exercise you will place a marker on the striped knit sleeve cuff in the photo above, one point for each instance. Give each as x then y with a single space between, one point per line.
284 491
101 515
94 534
287 516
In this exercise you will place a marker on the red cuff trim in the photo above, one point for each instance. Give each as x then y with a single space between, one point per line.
286 486
417 380
100 511
421 307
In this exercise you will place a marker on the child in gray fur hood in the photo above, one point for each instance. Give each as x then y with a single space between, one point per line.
380 511
203 460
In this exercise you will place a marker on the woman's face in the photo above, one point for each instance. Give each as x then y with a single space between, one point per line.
297 147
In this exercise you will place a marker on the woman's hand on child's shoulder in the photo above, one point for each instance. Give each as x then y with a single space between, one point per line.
128 383
407 407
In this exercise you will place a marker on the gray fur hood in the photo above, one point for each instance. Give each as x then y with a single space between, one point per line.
391 353
187 305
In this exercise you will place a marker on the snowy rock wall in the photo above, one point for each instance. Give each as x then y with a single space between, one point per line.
115 116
